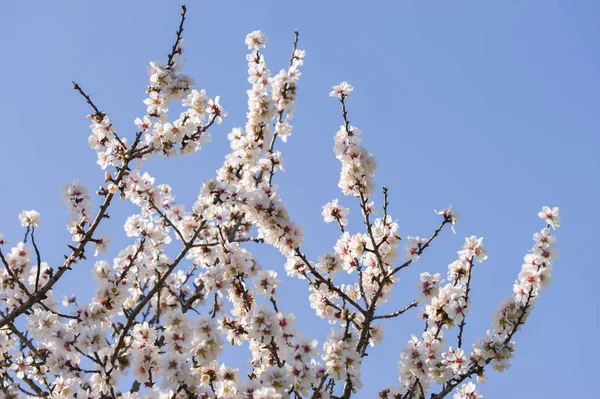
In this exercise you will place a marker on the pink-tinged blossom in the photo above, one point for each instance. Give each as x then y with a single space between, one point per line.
102 243
332 211
214 109
412 249
429 285
342 90
450 215
473 249
550 216
467 391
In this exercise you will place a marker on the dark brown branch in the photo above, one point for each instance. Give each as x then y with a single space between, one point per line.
175 49
39 261
423 246
463 322
98 115
166 219
385 204
293 55
398 313
328 282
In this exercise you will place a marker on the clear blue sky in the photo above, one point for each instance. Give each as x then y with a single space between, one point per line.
490 106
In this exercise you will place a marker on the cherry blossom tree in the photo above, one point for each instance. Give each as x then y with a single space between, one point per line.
165 319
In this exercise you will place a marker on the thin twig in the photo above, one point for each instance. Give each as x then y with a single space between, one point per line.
398 313
39 261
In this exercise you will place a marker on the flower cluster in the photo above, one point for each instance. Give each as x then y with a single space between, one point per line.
358 165
79 206
341 359
497 347
252 160
17 268
187 133
110 150
424 361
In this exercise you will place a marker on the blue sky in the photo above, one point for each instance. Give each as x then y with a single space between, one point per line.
490 106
